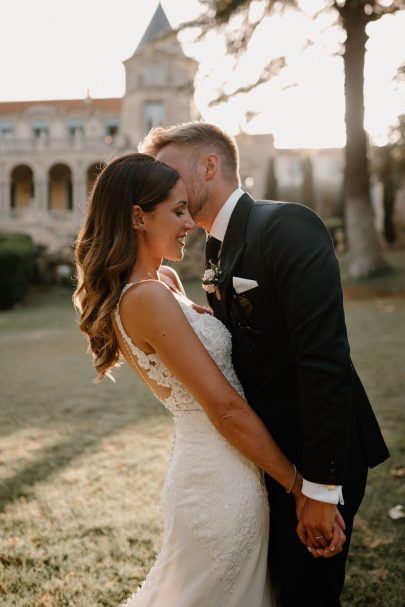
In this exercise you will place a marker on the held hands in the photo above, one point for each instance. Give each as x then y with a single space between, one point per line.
320 527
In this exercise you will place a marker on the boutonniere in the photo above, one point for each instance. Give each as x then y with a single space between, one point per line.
211 280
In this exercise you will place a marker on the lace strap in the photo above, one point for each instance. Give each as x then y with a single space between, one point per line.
141 356
141 360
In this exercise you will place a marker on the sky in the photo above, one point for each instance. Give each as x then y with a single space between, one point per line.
59 49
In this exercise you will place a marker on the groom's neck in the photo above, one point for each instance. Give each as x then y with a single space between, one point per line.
212 207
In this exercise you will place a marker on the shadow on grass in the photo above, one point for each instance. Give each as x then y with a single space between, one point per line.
51 460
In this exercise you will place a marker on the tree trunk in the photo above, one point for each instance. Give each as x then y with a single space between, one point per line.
271 192
388 195
308 189
365 256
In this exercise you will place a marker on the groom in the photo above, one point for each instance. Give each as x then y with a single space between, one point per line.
279 293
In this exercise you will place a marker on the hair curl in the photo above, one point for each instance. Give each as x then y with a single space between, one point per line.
105 248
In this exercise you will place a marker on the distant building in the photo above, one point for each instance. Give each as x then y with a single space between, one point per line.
51 151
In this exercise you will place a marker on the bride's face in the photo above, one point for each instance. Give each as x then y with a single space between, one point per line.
164 229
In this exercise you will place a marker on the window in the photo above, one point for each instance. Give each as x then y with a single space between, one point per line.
76 128
5 129
154 75
39 129
154 114
112 127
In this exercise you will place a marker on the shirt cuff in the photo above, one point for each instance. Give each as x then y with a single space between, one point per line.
330 494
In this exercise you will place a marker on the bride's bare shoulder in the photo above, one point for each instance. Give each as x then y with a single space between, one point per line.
146 295
173 278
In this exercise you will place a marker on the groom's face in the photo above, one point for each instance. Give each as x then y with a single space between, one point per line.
191 172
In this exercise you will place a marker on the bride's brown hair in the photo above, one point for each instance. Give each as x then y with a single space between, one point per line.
105 249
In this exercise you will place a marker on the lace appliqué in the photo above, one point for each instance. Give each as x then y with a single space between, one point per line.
179 398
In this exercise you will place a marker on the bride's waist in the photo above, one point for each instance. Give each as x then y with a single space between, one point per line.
192 421
195 433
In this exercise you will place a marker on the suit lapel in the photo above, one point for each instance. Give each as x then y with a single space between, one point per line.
233 246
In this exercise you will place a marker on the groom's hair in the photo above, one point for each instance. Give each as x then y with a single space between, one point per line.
197 136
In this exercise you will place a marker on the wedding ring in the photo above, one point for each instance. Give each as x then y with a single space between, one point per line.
319 537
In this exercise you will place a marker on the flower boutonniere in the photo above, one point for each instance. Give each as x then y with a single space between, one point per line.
211 280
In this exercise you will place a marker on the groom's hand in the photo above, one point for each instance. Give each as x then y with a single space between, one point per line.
321 528
202 309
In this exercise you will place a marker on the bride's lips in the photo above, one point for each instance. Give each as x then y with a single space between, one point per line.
181 239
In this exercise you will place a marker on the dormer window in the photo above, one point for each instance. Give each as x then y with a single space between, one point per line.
154 75
154 114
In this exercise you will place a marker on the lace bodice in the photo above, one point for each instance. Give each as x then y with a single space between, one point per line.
216 339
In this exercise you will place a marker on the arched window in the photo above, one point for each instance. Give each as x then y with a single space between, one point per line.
60 191
22 187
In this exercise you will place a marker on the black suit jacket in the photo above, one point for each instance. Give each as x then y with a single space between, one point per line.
290 346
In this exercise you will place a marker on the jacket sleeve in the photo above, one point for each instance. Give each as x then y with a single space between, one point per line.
300 257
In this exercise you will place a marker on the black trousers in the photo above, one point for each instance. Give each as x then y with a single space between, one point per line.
298 578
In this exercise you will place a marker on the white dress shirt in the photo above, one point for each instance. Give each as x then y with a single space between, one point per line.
331 494
221 221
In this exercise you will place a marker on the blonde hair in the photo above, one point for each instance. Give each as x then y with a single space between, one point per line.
196 136
106 246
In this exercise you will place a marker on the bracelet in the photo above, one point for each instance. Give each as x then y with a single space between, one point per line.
295 476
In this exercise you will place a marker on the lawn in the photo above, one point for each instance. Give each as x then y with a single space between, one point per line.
81 465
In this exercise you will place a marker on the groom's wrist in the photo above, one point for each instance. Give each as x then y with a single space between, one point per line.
330 494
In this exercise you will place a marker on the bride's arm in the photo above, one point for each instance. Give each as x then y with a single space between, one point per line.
154 320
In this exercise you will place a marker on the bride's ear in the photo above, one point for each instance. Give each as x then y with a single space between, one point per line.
137 218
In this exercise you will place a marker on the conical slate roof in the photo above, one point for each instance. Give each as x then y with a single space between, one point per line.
157 26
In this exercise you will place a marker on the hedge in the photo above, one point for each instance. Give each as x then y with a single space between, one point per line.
16 267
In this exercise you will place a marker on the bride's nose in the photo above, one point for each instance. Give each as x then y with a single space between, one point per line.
189 224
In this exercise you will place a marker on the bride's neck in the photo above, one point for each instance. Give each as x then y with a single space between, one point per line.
145 268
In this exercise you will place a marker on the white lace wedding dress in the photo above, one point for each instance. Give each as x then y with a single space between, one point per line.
214 504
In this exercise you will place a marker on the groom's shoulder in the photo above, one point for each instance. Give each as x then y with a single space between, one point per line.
266 209
289 220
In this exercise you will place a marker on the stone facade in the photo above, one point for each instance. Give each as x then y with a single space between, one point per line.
49 156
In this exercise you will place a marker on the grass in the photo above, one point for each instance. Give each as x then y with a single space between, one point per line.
81 465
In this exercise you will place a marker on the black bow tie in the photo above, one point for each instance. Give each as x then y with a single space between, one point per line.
212 246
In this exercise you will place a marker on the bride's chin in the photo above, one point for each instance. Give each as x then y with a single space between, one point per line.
175 256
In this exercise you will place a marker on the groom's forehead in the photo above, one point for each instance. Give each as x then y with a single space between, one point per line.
177 156
169 153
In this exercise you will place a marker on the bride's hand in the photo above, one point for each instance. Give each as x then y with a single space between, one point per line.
202 309
335 545
300 501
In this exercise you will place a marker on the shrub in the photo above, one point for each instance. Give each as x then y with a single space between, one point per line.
16 267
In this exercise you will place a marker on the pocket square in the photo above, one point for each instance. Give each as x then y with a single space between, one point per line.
243 284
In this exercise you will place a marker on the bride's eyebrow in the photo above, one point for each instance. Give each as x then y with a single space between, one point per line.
181 203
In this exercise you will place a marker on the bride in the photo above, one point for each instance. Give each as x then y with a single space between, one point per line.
214 505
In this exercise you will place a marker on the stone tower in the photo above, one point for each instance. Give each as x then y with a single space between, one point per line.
159 82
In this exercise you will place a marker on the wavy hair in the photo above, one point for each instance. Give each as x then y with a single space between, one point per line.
105 249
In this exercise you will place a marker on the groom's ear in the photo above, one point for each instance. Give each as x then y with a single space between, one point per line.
211 165
137 218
